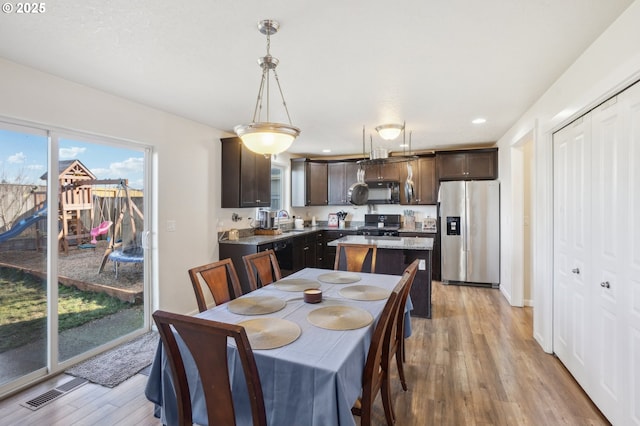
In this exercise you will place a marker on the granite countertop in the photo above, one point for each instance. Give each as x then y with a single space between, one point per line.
290 233
397 243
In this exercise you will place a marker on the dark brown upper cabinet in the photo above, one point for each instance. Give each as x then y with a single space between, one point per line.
246 176
473 164
425 182
383 171
308 183
341 176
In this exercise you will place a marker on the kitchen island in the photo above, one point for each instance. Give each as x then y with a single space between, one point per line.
394 254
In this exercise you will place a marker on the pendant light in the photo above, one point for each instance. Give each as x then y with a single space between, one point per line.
266 137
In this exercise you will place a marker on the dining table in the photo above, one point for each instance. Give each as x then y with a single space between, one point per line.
314 380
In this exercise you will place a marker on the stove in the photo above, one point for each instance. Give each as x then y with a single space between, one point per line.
381 225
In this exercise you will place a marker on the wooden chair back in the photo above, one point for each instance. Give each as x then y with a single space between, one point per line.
206 340
356 257
220 278
396 346
374 377
262 268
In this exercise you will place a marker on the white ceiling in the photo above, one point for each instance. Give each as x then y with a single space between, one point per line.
437 64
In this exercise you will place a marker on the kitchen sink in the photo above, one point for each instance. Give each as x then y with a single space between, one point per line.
289 231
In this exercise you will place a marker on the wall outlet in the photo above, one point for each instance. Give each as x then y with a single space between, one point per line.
171 226
422 265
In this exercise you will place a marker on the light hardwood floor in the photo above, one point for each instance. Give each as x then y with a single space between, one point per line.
474 363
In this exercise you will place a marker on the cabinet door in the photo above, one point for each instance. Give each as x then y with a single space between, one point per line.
482 165
427 192
316 184
389 171
336 183
452 166
262 180
340 178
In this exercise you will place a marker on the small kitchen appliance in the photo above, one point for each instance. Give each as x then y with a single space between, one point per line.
267 219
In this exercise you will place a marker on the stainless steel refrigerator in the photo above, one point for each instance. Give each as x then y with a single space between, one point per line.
470 232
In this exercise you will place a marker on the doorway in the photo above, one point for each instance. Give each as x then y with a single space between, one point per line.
522 178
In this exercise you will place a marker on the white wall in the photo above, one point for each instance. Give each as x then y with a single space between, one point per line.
608 65
186 161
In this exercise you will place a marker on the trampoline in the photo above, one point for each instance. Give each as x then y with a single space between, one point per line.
129 255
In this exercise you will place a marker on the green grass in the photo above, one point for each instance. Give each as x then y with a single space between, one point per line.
23 308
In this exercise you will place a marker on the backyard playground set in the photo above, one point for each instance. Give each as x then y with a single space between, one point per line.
88 209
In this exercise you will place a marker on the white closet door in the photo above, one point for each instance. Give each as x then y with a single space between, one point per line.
631 260
610 233
572 246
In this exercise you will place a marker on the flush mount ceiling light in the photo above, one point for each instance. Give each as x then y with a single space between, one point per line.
389 132
266 137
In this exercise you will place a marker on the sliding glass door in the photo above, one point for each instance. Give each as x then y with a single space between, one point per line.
23 255
73 234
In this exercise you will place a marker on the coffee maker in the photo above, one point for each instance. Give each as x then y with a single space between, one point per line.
267 219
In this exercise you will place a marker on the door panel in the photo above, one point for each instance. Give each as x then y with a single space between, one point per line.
571 246
483 231
610 175
452 198
631 250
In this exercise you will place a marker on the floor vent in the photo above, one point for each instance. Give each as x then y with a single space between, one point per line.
47 397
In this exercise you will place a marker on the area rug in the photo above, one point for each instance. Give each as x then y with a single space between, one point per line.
115 366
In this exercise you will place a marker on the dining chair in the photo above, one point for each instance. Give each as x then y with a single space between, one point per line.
396 346
206 340
356 257
220 277
262 268
374 378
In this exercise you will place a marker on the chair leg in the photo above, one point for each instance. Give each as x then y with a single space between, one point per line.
387 403
401 369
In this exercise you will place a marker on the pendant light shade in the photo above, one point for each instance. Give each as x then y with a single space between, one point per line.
266 137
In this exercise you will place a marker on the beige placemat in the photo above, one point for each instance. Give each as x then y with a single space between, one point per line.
340 317
270 333
339 277
364 292
296 284
256 305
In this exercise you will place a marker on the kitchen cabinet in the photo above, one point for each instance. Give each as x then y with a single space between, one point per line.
308 183
341 176
472 164
425 181
304 251
246 176
382 172
330 252
435 253
596 260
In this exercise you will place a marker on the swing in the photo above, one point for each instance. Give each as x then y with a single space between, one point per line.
104 225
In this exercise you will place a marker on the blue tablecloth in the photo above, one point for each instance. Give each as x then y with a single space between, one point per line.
312 381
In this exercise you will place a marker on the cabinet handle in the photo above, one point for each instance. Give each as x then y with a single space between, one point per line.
605 284
306 248
257 201
576 270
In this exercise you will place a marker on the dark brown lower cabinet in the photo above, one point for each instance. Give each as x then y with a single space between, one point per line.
394 262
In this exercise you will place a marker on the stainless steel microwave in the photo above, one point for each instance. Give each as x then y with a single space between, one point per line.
384 192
